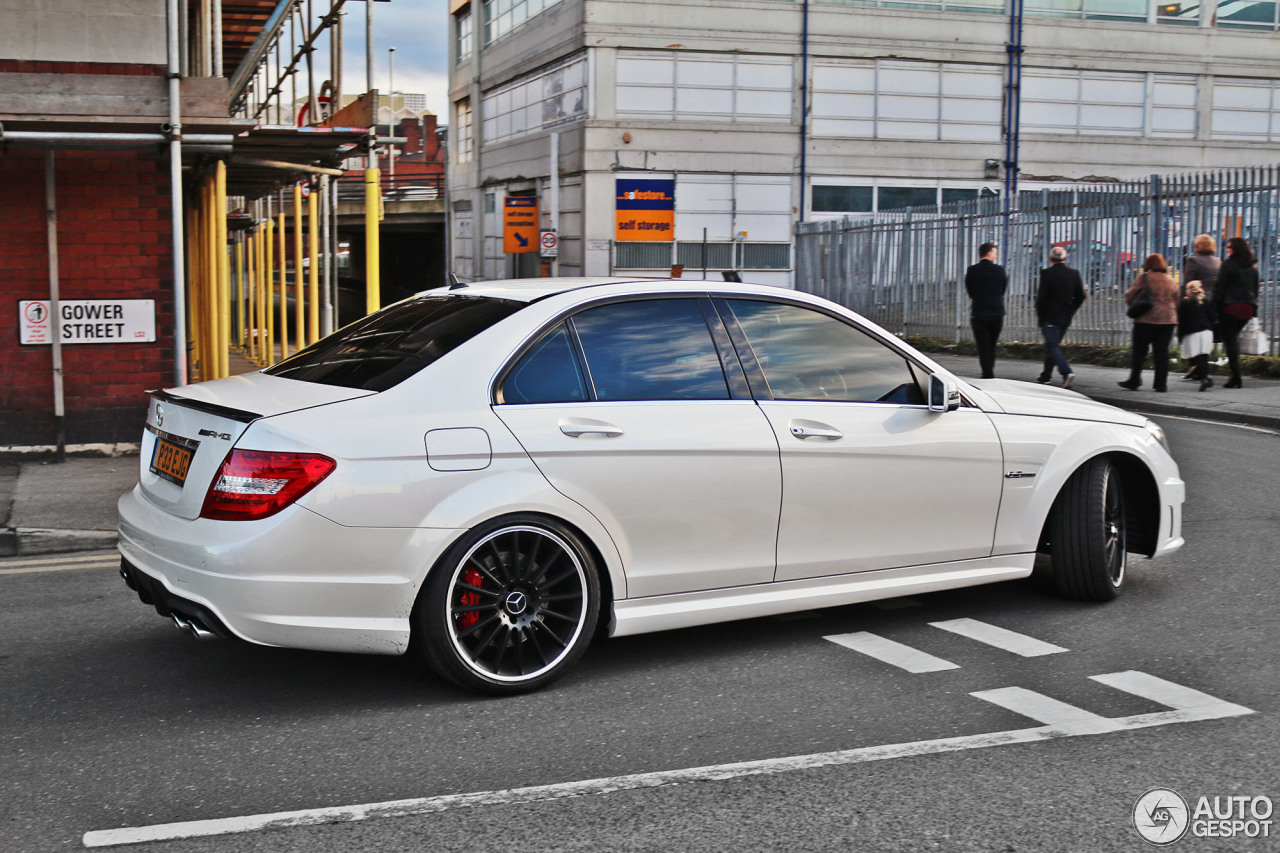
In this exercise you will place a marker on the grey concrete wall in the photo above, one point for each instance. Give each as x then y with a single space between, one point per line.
129 31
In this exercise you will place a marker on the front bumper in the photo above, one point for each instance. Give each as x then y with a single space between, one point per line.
295 580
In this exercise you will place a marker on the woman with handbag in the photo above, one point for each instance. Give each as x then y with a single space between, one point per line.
1235 301
1153 325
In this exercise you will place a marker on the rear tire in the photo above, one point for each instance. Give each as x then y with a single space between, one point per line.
1088 534
510 607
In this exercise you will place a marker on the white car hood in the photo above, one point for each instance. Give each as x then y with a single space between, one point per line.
1047 401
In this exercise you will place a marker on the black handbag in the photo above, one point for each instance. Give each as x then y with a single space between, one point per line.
1141 304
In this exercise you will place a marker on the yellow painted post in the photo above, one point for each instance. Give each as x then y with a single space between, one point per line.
261 260
193 343
313 274
200 285
251 261
299 324
284 290
372 259
242 341
269 288
213 317
224 270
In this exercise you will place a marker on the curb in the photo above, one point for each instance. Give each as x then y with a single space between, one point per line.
1134 403
25 541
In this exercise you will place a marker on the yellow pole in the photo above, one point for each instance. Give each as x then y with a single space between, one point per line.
251 260
224 270
261 294
269 288
193 334
372 260
202 282
313 274
284 290
240 290
210 283
299 324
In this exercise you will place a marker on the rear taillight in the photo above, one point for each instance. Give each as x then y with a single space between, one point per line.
254 484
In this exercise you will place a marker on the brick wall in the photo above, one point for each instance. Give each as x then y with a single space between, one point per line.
114 243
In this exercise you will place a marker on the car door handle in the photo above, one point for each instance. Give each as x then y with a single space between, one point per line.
813 429
577 429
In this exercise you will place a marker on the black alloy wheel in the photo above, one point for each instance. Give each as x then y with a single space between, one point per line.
1088 533
510 607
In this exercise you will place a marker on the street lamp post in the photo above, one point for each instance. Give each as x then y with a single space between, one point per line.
391 97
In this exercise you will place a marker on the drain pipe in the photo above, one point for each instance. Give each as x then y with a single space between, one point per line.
55 308
804 104
175 201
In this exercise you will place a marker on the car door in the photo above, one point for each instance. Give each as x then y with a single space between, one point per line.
872 479
627 408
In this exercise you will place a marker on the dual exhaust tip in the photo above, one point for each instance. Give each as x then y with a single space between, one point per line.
192 628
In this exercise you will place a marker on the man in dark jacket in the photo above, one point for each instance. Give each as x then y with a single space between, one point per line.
986 282
1061 293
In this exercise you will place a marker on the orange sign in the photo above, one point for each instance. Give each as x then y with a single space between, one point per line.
646 210
519 224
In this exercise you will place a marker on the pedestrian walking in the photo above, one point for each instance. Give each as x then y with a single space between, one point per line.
1235 302
1061 293
1202 266
1153 327
1195 332
986 282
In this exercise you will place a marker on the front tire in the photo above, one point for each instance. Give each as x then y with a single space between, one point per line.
510 607
1088 534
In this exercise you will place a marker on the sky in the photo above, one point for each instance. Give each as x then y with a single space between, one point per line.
419 31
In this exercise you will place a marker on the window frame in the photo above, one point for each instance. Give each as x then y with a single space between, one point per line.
730 365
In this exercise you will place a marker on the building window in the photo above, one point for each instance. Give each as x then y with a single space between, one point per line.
706 86
539 101
827 199
1246 109
490 203
1093 103
907 100
464 140
503 16
1250 14
465 34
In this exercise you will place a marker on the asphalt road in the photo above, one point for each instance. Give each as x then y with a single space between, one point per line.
110 719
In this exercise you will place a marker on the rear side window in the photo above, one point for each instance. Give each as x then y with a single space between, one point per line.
808 355
547 373
393 344
656 349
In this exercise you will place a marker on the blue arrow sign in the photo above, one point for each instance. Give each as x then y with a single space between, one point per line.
521 239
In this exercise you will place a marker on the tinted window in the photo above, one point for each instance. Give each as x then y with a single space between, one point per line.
658 349
548 373
391 345
807 355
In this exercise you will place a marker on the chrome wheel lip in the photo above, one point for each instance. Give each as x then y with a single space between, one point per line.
465 655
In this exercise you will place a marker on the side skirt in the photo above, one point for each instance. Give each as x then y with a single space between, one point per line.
685 610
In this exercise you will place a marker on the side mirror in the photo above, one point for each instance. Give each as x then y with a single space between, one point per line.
944 396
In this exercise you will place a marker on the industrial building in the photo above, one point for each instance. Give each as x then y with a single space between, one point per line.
699 134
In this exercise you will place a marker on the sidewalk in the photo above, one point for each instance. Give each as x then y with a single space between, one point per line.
47 507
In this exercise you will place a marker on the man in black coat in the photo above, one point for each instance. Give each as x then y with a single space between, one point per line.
1061 293
986 283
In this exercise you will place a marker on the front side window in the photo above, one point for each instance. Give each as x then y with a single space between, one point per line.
808 355
393 344
658 349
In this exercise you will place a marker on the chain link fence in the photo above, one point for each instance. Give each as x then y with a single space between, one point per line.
905 269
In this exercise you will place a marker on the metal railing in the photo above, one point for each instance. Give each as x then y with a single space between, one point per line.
905 269
399 188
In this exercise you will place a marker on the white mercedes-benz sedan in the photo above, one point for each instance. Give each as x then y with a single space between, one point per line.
491 475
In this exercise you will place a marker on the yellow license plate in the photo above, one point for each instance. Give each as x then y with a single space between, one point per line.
171 461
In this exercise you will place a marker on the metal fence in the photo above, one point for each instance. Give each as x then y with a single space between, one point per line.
905 269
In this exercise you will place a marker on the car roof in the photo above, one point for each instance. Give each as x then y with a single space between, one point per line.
533 289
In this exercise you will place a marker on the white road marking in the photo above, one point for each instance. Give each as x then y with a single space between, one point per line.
59 564
1249 427
894 654
1049 711
1205 708
895 603
1001 638
1182 699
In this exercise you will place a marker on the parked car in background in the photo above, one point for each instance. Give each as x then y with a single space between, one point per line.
493 475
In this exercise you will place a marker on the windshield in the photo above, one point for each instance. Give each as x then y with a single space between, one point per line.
393 344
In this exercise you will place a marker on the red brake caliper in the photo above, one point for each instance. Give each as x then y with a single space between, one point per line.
469 599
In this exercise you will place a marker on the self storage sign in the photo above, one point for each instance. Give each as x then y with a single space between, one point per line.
88 321
646 210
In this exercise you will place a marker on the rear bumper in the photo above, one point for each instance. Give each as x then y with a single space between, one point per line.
295 580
